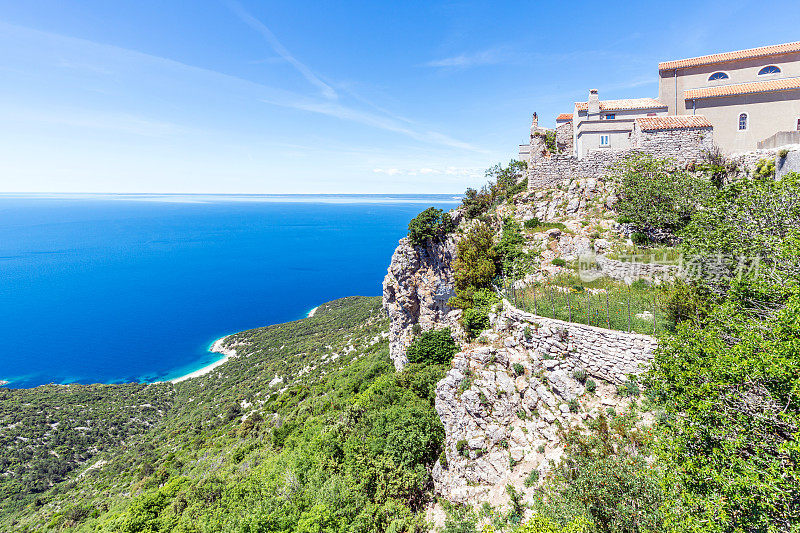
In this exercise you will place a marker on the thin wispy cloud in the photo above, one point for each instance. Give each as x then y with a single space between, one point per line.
281 50
491 56
111 61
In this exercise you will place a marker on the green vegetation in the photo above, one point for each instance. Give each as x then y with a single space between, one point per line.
342 443
605 480
727 378
653 195
503 183
430 225
436 346
639 307
765 168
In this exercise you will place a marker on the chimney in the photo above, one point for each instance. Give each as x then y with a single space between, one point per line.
594 102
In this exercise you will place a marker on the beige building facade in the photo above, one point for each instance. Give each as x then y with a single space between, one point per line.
747 95
607 125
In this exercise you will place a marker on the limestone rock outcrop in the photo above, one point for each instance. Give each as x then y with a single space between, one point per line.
503 404
416 289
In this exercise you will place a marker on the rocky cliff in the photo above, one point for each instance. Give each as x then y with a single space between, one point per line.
415 292
504 404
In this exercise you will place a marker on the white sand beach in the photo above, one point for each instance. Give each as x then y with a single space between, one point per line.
311 313
217 347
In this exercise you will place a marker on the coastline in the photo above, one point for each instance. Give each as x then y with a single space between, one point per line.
216 347
311 313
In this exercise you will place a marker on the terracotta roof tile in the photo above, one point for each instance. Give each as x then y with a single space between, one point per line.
564 116
764 51
673 122
632 103
755 87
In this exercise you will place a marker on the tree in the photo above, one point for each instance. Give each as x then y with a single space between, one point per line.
474 265
430 225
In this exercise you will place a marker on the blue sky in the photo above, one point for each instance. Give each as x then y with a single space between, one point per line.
330 97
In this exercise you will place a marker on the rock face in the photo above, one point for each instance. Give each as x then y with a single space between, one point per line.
416 290
502 405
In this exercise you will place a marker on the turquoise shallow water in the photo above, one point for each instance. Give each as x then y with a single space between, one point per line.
114 288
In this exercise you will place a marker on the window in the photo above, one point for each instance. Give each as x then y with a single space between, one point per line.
651 114
798 124
610 116
604 140
771 69
743 122
718 76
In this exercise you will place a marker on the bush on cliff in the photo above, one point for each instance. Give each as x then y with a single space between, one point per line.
727 379
604 477
652 194
435 346
509 249
475 321
474 265
502 183
430 225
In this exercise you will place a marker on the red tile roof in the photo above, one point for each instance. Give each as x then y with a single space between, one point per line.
764 51
632 103
672 122
786 84
564 116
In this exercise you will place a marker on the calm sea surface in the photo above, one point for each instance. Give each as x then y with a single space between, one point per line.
115 288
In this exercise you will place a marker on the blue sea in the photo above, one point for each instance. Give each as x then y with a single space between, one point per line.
118 288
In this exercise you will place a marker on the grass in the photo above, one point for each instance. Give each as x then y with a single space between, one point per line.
566 298
544 226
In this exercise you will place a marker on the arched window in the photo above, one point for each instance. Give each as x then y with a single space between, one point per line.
770 69
718 76
743 122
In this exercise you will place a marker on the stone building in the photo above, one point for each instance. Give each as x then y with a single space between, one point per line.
564 133
608 124
748 96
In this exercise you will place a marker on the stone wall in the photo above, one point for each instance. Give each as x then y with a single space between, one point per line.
683 146
604 353
747 161
564 138
502 405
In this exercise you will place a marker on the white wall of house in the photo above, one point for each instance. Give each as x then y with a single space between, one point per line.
672 86
766 113
599 132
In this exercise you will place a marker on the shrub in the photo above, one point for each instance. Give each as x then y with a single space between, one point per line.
527 332
474 265
605 476
435 346
509 249
640 238
430 225
540 448
624 219
591 386
474 321
628 389
519 369
574 406
461 448
443 459
559 262
765 168
783 153
580 375
532 478
652 194
532 223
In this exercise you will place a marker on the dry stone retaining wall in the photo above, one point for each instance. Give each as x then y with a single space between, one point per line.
683 146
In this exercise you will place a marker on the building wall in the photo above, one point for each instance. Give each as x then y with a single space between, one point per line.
590 128
670 87
768 113
564 138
